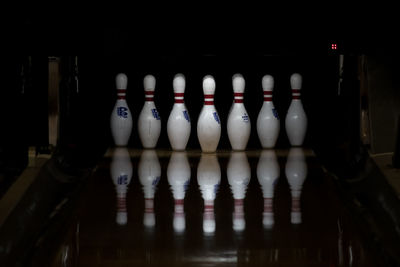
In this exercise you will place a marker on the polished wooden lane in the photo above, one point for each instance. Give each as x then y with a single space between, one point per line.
297 220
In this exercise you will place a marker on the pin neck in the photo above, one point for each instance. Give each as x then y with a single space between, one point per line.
267 96
179 98
238 97
268 204
121 93
149 96
121 204
209 99
296 204
296 94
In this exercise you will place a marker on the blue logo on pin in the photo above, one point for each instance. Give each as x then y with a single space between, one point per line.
275 113
155 181
122 112
122 179
155 114
245 118
216 117
186 115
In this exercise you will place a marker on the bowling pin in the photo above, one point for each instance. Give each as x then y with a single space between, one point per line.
149 122
208 178
238 125
121 117
268 123
296 119
149 171
178 125
121 174
208 124
296 173
239 173
268 173
178 173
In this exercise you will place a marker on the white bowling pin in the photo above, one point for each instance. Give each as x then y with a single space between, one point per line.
238 125
208 124
296 119
178 126
149 171
296 173
178 173
121 117
208 178
239 173
268 123
268 173
121 174
149 122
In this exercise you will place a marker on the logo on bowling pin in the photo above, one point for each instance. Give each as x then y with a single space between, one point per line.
208 124
178 125
121 118
238 125
149 122
296 119
268 124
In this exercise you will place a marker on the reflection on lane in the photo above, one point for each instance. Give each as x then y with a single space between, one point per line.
178 173
149 171
296 173
239 173
121 174
264 226
268 173
208 178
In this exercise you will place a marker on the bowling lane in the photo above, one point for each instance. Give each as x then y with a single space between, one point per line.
157 208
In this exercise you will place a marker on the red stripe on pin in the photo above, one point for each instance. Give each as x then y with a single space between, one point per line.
121 97
267 98
121 91
208 96
179 94
149 92
148 98
267 92
238 94
296 97
208 102
238 100
179 101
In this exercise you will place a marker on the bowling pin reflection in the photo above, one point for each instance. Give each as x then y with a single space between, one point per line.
268 174
296 173
178 173
239 173
121 174
149 171
208 178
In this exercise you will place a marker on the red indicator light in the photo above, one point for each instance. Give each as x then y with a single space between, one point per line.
334 46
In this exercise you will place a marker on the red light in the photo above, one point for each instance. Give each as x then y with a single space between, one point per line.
334 46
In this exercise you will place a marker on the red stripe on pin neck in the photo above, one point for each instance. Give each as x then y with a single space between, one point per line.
296 93
209 99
